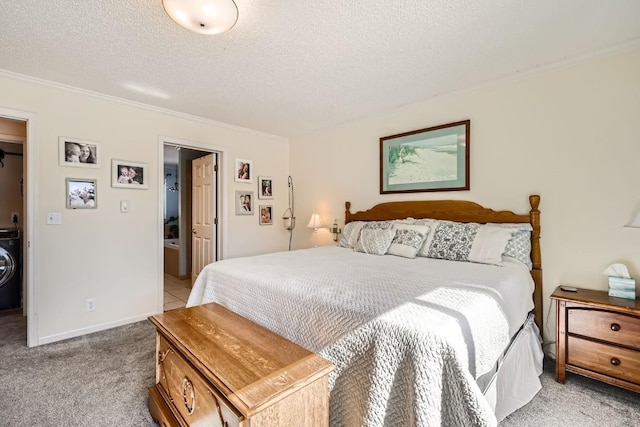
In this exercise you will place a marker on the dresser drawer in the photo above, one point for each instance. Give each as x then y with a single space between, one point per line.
159 410
618 328
605 359
191 395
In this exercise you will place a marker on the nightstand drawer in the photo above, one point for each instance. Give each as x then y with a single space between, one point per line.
604 325
605 359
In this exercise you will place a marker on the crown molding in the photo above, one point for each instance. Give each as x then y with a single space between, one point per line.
110 98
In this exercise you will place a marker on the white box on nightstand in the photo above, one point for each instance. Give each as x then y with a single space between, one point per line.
622 288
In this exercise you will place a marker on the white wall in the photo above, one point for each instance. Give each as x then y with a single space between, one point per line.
105 254
570 135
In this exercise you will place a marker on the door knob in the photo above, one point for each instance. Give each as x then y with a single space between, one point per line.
194 231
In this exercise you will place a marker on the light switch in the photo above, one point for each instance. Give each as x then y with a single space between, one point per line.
124 206
54 218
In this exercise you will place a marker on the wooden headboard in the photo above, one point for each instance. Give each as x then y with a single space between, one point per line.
464 211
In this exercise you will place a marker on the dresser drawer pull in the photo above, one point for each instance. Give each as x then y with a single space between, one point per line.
189 393
615 327
163 355
222 421
615 362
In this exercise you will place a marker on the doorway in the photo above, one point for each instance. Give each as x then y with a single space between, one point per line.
182 217
18 181
12 138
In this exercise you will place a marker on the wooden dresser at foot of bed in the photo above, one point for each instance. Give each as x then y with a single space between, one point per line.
216 368
598 336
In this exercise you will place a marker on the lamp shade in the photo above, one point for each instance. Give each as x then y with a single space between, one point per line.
315 222
203 16
634 222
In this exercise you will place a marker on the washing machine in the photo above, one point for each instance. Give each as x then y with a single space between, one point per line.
10 269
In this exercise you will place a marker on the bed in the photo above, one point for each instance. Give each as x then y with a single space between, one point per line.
416 340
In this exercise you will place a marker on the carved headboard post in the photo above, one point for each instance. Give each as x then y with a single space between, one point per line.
536 258
534 201
347 212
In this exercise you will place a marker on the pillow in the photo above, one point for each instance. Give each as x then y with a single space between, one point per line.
350 234
457 241
452 240
408 239
489 244
519 246
382 225
432 224
374 241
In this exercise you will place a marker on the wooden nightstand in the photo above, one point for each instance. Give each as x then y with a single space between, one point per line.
598 336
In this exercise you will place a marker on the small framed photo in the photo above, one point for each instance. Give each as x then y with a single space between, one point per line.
81 193
265 215
265 187
77 153
244 171
127 174
244 202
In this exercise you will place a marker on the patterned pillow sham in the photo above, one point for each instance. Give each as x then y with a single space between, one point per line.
481 243
380 225
374 241
452 240
408 239
432 224
519 246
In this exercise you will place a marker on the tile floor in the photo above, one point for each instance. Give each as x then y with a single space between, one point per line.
176 292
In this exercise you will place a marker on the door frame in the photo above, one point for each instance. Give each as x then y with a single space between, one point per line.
29 149
220 198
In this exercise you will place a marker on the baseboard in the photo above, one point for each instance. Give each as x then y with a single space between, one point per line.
91 329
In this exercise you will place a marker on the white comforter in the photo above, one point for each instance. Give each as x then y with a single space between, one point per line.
409 337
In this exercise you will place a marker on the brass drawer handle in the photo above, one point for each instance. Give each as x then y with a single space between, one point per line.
223 423
615 362
188 392
163 355
615 327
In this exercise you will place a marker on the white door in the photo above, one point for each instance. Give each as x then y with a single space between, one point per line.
203 213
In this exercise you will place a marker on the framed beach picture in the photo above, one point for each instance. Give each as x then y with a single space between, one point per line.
244 171
81 193
77 153
266 217
432 159
244 202
265 187
127 174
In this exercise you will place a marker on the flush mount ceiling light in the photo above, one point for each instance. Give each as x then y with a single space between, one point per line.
203 16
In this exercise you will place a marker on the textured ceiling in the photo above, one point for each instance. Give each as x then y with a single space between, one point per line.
291 67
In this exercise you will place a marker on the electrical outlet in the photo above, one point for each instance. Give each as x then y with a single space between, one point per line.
15 217
91 304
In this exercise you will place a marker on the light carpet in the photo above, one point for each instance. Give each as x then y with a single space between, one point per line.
102 379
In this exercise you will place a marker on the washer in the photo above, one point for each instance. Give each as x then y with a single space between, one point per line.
10 269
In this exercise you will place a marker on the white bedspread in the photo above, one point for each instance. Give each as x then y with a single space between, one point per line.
408 336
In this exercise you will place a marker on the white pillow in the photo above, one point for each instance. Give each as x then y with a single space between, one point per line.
489 243
408 239
374 241
350 234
